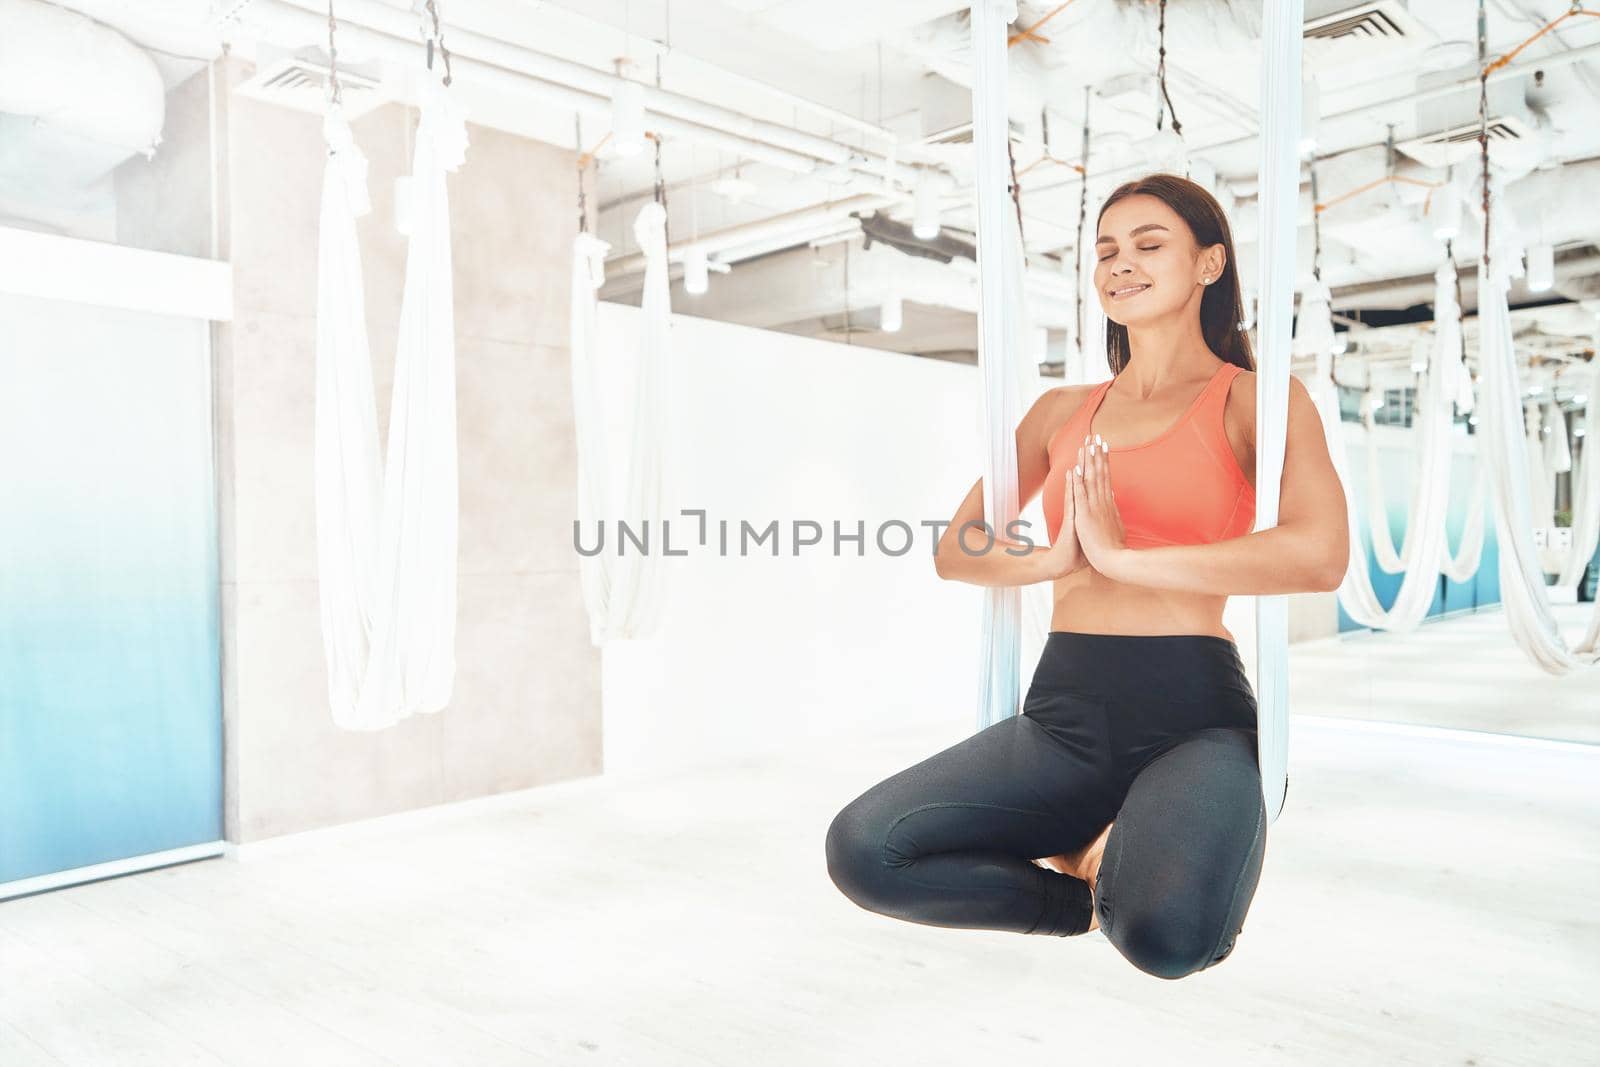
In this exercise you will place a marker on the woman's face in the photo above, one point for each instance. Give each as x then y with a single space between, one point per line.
1144 246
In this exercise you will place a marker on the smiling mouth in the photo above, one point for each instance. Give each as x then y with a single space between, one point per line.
1118 294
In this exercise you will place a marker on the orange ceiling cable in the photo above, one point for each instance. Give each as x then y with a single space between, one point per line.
1374 184
1509 56
588 157
1048 158
1029 34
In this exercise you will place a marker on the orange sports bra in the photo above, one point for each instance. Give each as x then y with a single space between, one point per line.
1181 488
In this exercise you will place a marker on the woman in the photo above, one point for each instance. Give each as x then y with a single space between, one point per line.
1133 763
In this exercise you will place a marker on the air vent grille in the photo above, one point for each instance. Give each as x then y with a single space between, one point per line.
1375 32
299 80
1368 23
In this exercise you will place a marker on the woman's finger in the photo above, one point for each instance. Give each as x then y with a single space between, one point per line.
1102 479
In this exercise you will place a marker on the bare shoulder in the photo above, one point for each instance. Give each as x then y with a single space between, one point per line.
1053 409
1240 417
1064 402
1241 411
1068 398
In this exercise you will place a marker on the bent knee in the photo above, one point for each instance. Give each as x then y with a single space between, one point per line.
854 853
1169 946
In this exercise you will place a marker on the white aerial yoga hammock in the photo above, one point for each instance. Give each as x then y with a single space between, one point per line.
386 531
1585 485
1426 553
1522 585
623 587
1000 355
1004 389
1279 185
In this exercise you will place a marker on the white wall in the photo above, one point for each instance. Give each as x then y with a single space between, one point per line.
757 654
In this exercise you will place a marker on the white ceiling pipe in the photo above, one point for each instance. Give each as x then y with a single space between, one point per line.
291 27
80 78
658 102
825 233
793 288
649 46
790 222
1246 187
623 285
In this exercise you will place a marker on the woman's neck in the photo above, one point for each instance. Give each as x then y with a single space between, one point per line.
1163 354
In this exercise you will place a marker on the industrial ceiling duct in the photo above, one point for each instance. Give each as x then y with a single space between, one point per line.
76 99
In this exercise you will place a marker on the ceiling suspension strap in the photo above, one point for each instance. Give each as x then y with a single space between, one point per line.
1161 75
1483 120
335 91
436 37
1083 214
583 212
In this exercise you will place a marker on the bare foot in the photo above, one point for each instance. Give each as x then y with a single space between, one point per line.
1083 863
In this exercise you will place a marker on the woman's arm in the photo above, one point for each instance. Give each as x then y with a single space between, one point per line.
1006 562
1309 549
1010 561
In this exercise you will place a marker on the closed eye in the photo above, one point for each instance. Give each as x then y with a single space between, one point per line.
1144 248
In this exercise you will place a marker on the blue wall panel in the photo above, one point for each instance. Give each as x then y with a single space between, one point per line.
110 709
1398 480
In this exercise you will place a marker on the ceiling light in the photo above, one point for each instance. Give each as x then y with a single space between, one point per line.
1580 398
1444 212
926 222
694 270
1541 268
891 316
627 118
1535 390
1310 111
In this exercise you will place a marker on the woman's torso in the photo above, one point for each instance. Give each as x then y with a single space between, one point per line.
1184 484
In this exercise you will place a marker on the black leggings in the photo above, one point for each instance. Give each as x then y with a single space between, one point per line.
1154 734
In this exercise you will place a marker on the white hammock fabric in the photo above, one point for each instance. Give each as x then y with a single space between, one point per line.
1585 487
1086 361
1426 553
1541 479
999 350
588 275
1279 185
1522 586
1462 565
386 532
623 587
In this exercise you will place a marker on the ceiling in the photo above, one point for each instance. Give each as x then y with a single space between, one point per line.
810 102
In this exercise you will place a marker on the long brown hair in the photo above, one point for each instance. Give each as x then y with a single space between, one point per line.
1222 305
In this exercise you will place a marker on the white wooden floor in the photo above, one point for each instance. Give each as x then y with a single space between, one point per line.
1463 673
1429 898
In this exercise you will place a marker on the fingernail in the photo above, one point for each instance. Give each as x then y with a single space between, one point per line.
1077 472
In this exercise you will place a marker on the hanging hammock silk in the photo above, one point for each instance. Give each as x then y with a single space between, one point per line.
387 531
